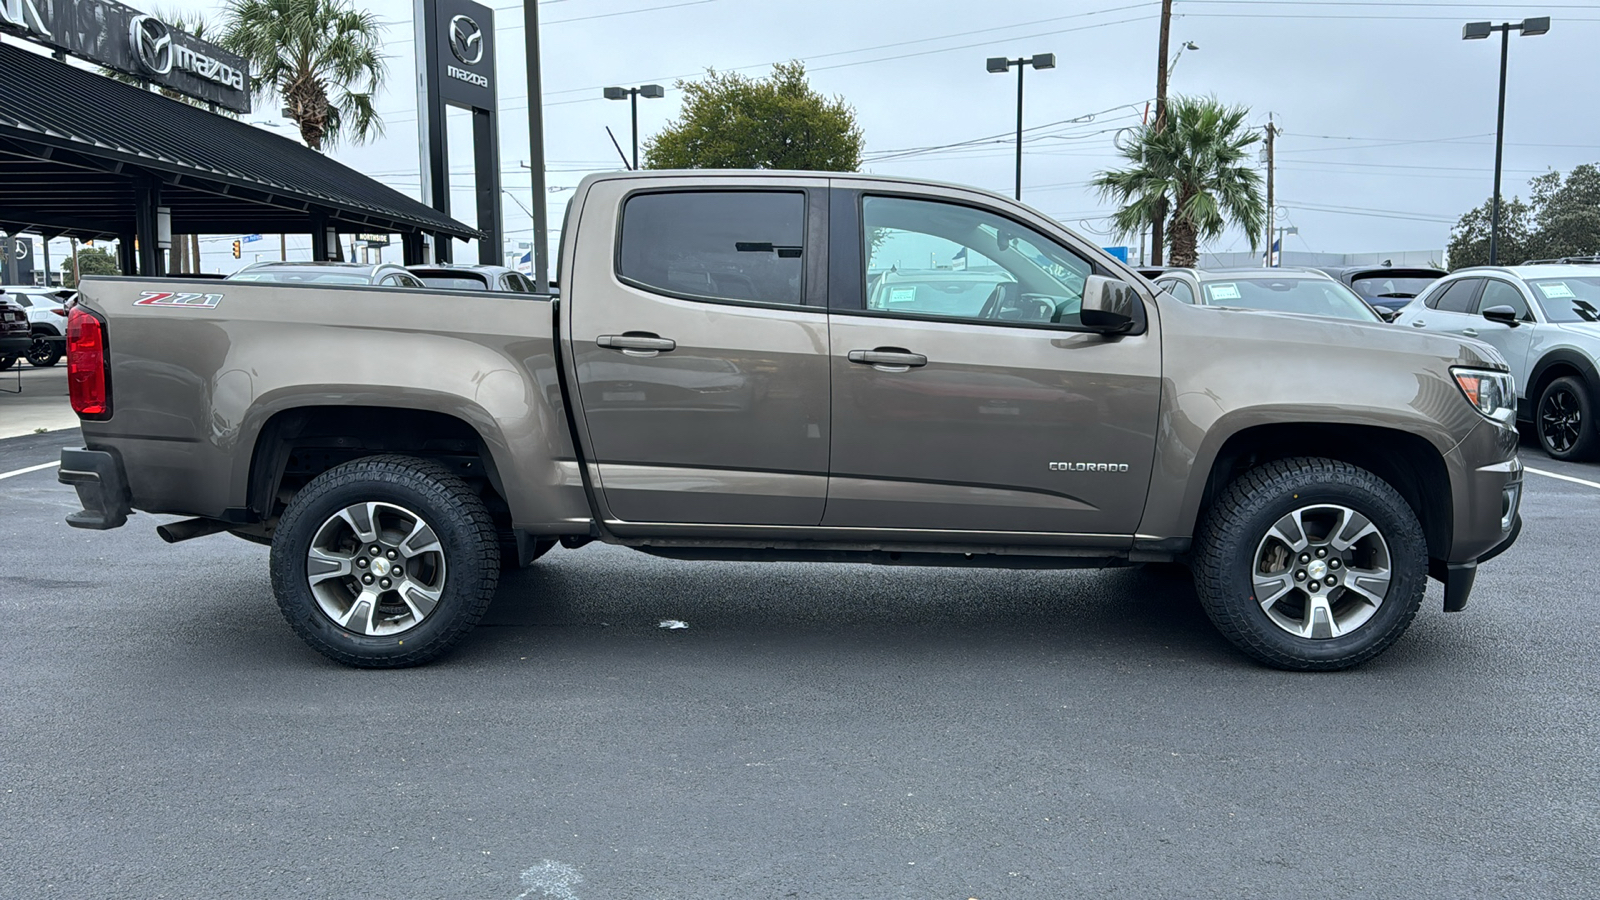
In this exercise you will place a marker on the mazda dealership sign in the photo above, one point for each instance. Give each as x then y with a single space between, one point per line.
122 38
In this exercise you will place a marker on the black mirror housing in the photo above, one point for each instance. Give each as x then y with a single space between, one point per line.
1505 315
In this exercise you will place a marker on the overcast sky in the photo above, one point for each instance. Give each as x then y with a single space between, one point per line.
1388 117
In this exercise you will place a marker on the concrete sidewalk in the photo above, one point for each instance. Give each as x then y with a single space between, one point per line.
42 405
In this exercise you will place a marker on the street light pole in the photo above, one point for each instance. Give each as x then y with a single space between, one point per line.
999 64
649 92
1477 31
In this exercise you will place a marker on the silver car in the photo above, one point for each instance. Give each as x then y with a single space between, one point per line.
327 273
1307 292
1545 321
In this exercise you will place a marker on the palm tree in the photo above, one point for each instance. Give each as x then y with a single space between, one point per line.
1197 164
320 56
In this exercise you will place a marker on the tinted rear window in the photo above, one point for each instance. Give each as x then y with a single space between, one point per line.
721 245
1382 285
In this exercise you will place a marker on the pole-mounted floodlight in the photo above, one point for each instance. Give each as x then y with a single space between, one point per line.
649 92
1477 31
996 65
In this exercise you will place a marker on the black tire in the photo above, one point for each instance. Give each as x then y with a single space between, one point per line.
44 353
1564 420
1236 530
469 561
7 362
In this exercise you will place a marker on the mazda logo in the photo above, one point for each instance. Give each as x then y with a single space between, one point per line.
152 44
466 40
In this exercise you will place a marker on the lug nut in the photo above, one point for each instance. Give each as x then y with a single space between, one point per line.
1315 586
374 549
1331 581
1321 552
362 562
1305 557
384 583
1333 563
396 571
366 579
1300 575
393 554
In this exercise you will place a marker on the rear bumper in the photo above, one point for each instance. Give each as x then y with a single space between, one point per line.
15 345
102 488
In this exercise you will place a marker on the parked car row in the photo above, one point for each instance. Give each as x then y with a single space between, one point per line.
448 277
44 317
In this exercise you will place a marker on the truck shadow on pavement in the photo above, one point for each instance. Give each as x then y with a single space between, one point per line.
1124 611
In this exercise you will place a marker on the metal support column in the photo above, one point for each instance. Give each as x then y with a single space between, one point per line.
319 237
486 150
150 262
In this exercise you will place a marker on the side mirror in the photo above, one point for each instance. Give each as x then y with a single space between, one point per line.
1109 306
1505 315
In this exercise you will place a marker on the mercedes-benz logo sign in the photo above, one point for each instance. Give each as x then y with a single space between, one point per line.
152 44
466 40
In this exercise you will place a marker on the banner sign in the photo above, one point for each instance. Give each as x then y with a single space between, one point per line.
16 259
122 38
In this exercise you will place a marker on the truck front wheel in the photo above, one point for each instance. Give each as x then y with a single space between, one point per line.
385 561
1311 564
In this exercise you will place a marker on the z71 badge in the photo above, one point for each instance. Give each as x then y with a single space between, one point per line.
174 298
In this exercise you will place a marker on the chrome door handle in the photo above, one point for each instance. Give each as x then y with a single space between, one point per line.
888 360
1471 332
636 343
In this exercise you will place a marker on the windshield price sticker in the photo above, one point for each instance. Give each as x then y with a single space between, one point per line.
1556 290
903 295
1222 292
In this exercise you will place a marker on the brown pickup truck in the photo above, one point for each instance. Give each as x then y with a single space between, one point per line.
797 366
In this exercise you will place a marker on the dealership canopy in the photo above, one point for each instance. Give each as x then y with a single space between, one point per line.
85 156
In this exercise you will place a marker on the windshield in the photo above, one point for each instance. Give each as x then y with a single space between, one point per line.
455 282
1308 296
1568 299
302 277
1392 285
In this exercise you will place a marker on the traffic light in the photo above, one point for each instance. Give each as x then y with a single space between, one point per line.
236 247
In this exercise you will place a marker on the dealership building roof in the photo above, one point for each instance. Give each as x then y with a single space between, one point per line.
84 156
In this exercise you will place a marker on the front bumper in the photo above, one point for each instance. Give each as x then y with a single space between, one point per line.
102 488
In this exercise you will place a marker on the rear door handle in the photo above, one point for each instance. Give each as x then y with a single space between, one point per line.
636 343
888 359
1471 332
1417 323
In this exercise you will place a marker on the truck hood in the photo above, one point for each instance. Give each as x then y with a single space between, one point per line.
1320 336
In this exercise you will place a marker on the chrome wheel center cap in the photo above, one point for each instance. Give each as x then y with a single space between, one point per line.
1318 570
380 567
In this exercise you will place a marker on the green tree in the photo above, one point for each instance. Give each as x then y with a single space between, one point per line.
1567 212
321 56
730 121
1199 164
91 261
1469 239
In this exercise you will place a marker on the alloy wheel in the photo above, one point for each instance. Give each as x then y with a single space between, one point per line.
1560 420
376 568
1321 572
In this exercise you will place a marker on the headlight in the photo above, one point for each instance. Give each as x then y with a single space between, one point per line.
1493 393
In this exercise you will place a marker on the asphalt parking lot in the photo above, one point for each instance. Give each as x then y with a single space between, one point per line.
843 731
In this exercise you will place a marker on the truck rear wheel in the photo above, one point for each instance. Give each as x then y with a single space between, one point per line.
1311 564
385 561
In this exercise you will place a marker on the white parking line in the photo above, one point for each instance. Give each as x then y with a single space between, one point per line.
1583 481
51 465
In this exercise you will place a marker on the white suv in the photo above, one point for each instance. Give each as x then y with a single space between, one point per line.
1545 321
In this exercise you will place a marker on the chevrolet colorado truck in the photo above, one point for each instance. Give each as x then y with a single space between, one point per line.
797 366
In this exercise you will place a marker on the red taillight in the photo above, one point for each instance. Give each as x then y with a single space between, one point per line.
88 365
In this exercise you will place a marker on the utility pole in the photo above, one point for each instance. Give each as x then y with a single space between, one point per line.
1272 131
1159 218
541 197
